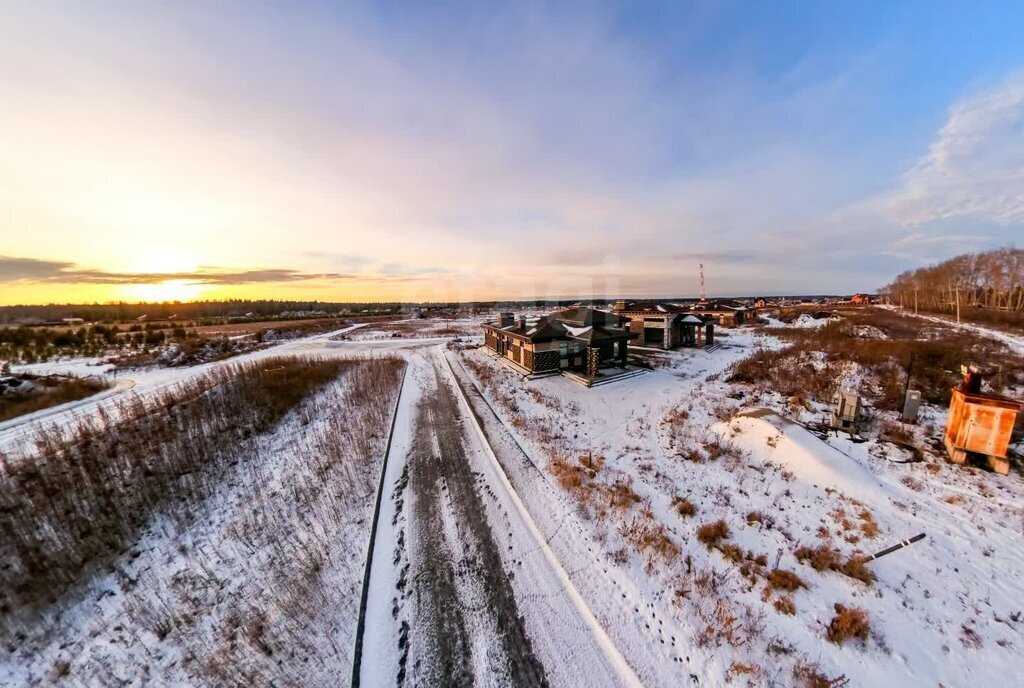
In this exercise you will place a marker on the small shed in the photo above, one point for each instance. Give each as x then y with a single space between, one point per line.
846 411
980 424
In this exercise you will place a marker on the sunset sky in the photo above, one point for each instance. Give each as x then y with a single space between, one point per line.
415 151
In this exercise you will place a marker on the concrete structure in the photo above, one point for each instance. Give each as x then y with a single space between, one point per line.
980 424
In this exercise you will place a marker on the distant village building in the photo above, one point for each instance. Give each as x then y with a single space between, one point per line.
666 326
73 321
725 313
582 340
980 424
862 299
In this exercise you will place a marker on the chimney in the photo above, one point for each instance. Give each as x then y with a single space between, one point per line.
505 319
522 323
620 305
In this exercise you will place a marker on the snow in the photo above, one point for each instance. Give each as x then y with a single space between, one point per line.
806 320
184 592
773 440
143 381
946 610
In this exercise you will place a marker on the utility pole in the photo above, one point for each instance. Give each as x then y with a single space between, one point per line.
915 299
958 304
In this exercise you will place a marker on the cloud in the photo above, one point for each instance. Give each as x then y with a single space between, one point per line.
60 272
30 269
974 167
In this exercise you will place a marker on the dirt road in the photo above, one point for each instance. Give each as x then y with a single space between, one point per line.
459 591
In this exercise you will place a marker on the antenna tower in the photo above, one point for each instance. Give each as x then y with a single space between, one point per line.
703 293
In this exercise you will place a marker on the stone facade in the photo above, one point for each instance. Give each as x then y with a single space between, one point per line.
593 361
545 360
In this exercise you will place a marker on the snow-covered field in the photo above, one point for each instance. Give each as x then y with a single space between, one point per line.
944 611
267 568
663 530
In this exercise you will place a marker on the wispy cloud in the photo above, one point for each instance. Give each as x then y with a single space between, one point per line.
14 269
974 167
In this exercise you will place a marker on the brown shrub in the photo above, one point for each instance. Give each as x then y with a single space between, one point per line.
868 527
571 476
711 534
785 605
821 558
684 507
622 495
742 669
650 539
731 552
849 622
781 579
825 558
856 567
810 675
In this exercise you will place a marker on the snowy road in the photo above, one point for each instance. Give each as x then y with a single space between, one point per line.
145 381
464 590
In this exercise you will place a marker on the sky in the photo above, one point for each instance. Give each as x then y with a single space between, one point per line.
475 151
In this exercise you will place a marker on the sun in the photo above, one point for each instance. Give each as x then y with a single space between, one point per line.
171 290
150 265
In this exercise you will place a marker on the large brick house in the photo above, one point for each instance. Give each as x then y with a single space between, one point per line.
581 340
666 326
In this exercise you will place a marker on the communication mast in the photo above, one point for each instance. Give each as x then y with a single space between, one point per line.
703 293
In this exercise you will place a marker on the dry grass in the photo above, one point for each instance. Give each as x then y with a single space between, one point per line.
683 506
712 534
738 669
650 539
780 579
826 558
808 675
938 350
80 494
785 605
848 623
263 605
47 392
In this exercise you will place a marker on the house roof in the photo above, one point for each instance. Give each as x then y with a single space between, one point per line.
596 335
579 323
582 315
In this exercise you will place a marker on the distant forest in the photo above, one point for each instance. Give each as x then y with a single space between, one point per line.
990 282
193 310
237 310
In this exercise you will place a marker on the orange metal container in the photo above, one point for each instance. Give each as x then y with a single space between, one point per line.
980 423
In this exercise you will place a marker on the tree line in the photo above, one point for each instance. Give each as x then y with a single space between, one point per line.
992 280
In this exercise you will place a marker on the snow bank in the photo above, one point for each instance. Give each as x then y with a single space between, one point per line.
765 436
806 320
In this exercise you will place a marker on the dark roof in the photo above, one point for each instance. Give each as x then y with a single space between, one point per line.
596 335
586 316
653 308
578 323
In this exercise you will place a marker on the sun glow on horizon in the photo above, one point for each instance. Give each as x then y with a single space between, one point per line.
171 290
